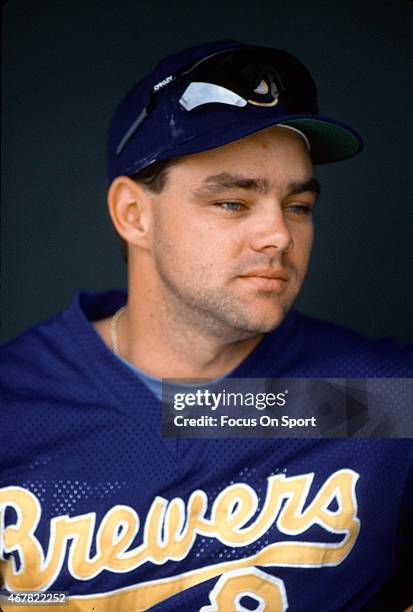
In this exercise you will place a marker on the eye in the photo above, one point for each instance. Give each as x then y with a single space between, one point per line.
230 206
300 209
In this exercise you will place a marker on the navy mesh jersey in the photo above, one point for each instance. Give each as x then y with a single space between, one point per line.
94 501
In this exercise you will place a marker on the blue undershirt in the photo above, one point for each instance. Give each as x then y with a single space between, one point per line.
154 384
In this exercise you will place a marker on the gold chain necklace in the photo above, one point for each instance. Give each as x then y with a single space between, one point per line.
114 329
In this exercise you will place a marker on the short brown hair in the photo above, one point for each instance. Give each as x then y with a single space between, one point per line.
153 178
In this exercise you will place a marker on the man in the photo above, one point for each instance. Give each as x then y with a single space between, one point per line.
212 190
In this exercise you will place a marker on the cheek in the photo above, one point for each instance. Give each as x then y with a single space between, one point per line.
194 245
189 249
303 242
309 238
211 243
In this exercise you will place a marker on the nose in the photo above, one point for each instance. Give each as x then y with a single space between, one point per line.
271 232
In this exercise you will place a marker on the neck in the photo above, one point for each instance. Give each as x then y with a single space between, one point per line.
157 337
166 347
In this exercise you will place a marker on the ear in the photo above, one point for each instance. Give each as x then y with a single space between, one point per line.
130 210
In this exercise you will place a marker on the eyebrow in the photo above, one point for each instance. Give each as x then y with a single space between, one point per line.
217 183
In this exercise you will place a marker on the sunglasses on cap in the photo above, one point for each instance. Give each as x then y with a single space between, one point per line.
237 77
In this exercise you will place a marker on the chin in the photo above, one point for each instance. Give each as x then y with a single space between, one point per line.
267 322
269 326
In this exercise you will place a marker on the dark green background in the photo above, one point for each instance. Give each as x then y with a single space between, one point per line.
65 65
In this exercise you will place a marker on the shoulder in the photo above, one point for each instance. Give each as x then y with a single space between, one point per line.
60 353
344 352
42 352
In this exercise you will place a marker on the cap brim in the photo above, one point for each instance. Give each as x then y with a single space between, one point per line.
330 140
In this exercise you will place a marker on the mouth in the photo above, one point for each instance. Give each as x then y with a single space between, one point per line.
267 280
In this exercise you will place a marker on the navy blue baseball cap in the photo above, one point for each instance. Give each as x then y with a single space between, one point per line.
213 94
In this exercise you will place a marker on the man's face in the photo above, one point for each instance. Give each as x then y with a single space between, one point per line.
233 233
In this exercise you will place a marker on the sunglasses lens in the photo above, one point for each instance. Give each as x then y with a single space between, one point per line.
259 76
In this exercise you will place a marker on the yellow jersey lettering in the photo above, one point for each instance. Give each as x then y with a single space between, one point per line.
170 531
267 591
